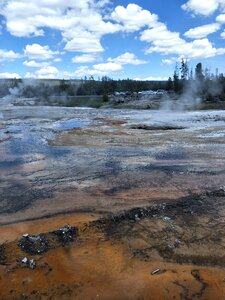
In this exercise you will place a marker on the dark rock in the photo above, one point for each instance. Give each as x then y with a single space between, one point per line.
66 234
34 244
30 263
2 254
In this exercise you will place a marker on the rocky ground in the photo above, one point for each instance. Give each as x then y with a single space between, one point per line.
142 191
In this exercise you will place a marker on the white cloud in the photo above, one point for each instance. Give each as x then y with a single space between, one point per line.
83 23
107 67
169 61
57 59
161 36
26 18
98 69
36 51
80 22
170 43
8 55
50 72
9 75
84 42
202 31
111 66
85 58
83 71
203 7
46 72
133 17
152 78
101 3
35 64
223 35
221 18
127 58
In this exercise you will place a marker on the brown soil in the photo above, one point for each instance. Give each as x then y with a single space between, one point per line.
98 266
114 257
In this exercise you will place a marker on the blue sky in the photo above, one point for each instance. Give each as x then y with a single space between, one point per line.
120 39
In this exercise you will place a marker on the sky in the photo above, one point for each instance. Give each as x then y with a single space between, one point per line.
136 39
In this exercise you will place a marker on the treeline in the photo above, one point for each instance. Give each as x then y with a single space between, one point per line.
88 86
107 85
199 82
38 88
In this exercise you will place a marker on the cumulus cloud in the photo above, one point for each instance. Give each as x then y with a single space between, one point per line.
152 78
107 67
133 17
49 72
203 7
36 51
46 72
111 66
8 55
83 23
26 18
85 58
35 64
80 22
57 59
84 42
170 43
202 31
83 71
98 69
127 58
221 19
169 61
9 75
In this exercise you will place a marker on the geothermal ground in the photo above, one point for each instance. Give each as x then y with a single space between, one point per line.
144 192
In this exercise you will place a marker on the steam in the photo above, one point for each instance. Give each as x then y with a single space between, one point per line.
36 91
191 97
11 93
9 99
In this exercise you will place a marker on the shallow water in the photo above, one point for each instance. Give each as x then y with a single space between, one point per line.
42 154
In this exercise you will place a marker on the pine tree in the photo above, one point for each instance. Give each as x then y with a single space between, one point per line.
198 72
169 85
176 85
184 70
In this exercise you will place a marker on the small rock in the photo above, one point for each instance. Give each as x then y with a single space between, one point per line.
136 217
222 188
166 219
177 242
156 271
32 264
24 260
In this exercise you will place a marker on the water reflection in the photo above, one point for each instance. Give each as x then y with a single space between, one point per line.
29 166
